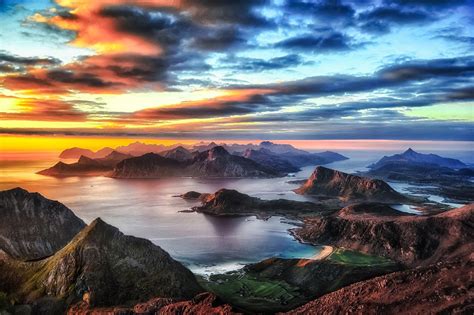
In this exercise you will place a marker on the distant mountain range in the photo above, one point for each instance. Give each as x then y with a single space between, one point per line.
410 157
139 160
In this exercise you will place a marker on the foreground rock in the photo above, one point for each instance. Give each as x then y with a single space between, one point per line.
442 288
103 267
204 303
378 230
326 182
33 227
229 202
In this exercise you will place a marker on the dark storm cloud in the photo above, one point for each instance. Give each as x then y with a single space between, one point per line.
333 41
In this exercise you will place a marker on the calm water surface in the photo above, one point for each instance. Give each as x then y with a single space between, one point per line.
148 208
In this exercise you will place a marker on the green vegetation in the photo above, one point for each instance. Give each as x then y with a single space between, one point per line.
253 293
350 257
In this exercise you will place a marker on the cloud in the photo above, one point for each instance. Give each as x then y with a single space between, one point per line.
43 110
259 65
381 19
333 41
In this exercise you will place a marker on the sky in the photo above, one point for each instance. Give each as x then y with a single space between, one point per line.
182 69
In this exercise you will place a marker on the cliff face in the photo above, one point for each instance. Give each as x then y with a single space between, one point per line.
442 288
328 182
411 240
33 227
102 266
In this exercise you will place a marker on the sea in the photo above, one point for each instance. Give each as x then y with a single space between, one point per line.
150 208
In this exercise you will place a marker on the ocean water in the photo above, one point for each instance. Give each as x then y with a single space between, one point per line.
149 209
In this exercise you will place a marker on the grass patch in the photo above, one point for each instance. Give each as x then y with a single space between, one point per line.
350 257
252 293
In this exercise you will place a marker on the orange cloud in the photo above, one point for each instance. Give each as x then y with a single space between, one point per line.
34 109
99 32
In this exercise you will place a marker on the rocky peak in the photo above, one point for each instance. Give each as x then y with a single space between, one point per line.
32 226
216 152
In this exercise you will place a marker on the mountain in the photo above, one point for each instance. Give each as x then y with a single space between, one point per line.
202 146
75 153
280 148
328 182
217 162
102 266
113 158
179 153
229 202
270 159
33 227
150 165
83 167
412 157
139 148
441 288
409 239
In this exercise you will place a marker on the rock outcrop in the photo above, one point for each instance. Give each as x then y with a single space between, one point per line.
409 239
34 227
327 182
443 288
